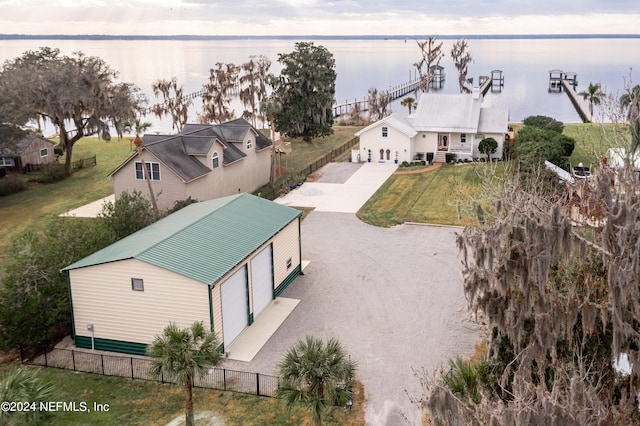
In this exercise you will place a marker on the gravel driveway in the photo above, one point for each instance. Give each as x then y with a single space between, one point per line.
393 296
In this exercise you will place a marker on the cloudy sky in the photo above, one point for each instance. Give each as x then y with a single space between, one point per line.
319 17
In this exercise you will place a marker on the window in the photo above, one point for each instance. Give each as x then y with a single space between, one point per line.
249 144
215 160
137 284
44 152
385 132
6 161
152 168
463 137
289 263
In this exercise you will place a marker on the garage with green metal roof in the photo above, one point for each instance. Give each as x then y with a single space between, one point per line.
220 261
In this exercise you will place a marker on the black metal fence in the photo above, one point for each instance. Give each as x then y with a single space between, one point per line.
287 183
328 158
141 368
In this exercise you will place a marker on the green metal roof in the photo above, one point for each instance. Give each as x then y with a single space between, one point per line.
202 241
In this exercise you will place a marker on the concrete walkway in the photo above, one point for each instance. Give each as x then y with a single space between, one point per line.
345 197
253 338
91 209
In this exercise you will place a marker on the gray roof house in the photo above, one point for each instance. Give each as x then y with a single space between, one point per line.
30 153
203 162
441 124
220 261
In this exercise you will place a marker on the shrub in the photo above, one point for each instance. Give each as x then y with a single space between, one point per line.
429 157
450 157
488 146
404 164
50 173
3 172
543 122
11 185
180 204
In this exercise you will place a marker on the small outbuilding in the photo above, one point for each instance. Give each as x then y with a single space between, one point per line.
220 261
31 153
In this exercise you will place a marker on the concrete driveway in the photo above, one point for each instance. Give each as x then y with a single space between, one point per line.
393 296
341 188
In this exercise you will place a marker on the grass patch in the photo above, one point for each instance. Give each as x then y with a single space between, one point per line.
31 208
427 197
139 402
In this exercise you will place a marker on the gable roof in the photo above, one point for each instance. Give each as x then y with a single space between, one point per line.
20 148
493 120
396 121
458 113
177 151
202 241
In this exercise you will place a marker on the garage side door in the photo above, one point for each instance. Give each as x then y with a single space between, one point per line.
262 279
234 305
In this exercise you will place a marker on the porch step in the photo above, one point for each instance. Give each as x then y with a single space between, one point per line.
440 157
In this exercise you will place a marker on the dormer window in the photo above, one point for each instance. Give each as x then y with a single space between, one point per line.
215 160
249 144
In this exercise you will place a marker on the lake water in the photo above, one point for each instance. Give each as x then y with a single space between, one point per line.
379 63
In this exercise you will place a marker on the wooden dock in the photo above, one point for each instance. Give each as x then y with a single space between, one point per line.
582 111
567 81
396 93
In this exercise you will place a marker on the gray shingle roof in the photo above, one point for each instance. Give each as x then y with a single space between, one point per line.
177 151
203 241
19 148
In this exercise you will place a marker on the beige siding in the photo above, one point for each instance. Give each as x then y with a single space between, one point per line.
168 189
286 244
245 175
216 300
102 295
32 153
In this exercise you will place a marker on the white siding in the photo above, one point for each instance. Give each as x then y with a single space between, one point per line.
102 295
395 141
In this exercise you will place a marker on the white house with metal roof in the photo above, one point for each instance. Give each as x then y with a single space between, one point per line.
203 161
442 123
220 261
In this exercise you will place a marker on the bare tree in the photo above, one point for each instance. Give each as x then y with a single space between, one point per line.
253 80
461 59
378 104
555 275
216 97
175 103
431 54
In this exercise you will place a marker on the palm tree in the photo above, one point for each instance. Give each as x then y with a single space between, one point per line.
138 126
593 94
409 102
24 386
270 108
631 101
317 374
183 353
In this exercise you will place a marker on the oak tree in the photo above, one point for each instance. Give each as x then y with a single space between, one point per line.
306 90
80 95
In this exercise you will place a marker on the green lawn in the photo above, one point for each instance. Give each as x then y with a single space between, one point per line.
32 208
139 402
433 197
427 197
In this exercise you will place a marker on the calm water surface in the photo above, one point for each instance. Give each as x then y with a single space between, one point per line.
379 63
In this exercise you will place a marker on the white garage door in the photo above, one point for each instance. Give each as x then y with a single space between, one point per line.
234 305
262 280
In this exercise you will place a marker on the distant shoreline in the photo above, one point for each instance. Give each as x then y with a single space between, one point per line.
313 37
